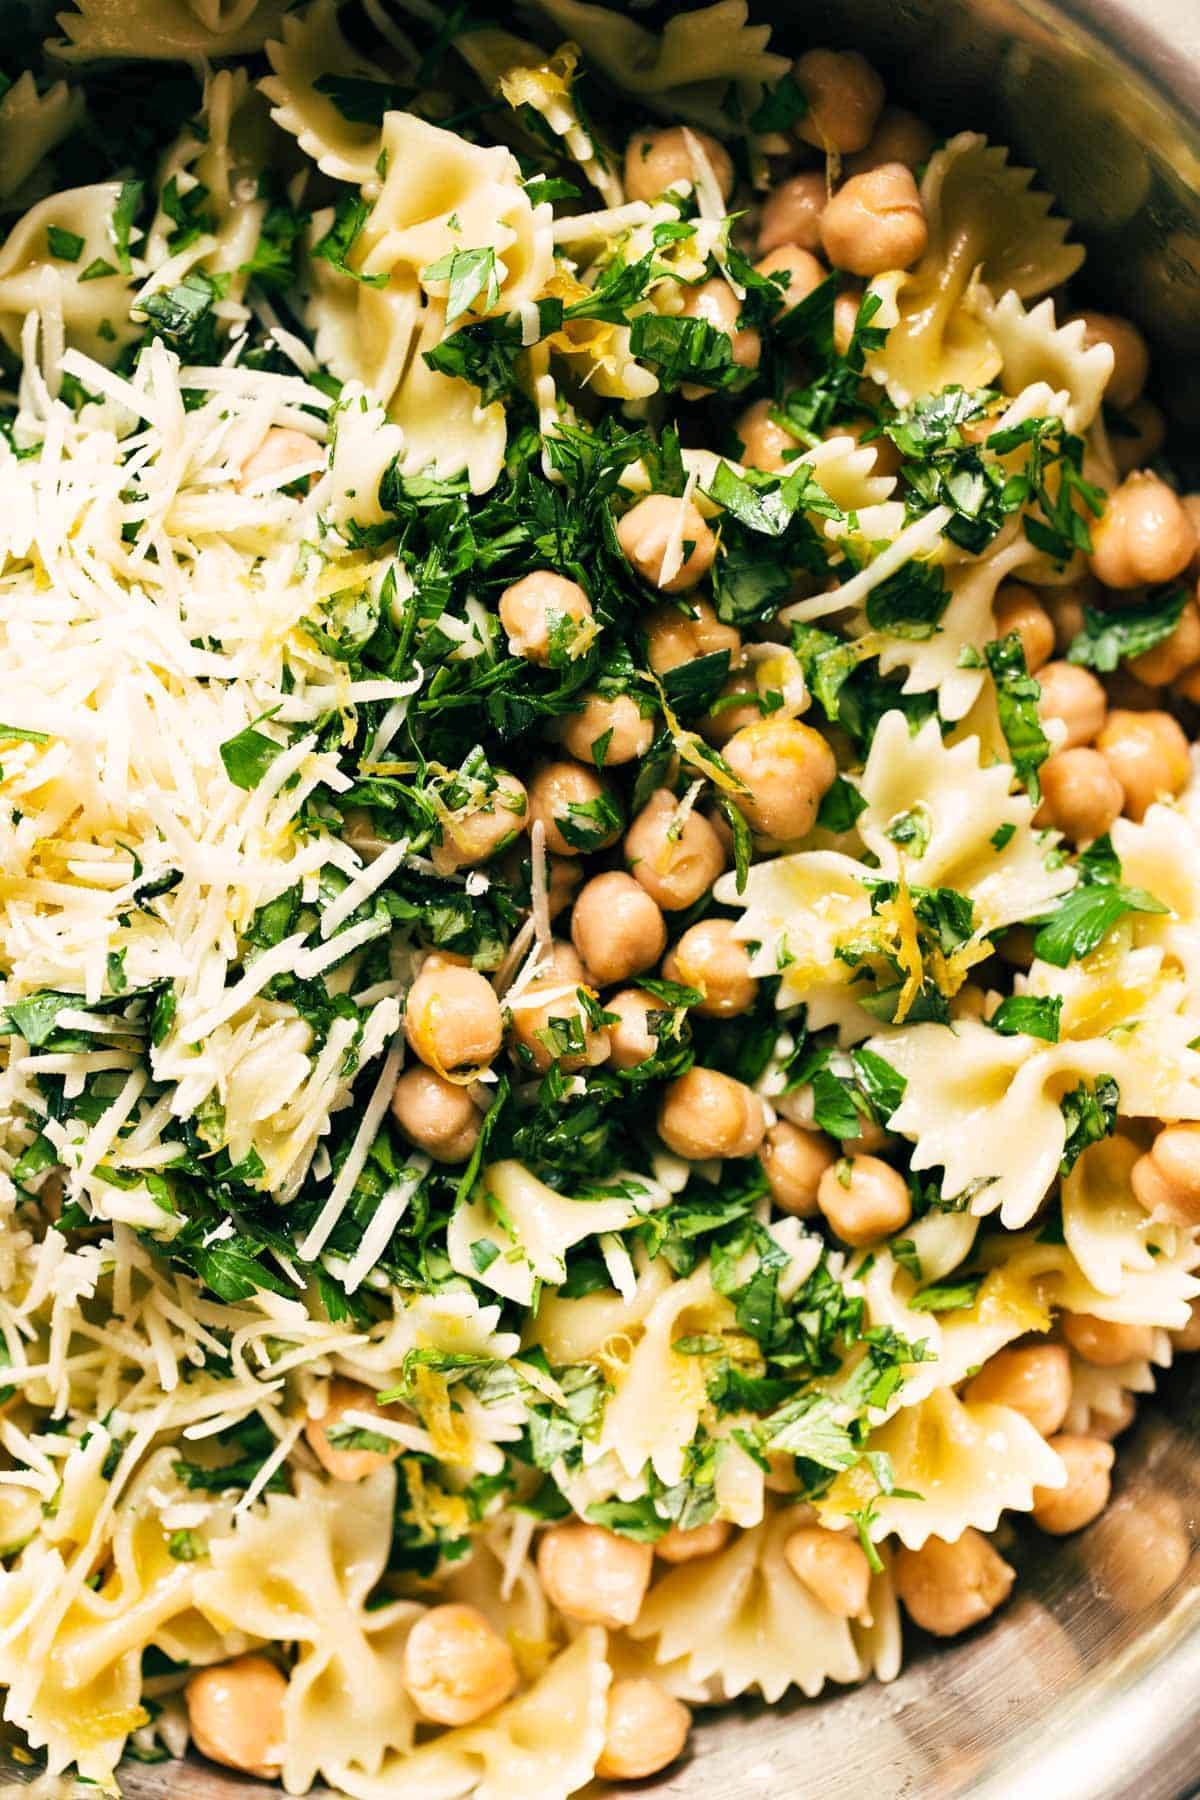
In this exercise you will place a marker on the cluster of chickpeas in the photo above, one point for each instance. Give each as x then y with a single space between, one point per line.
457 1666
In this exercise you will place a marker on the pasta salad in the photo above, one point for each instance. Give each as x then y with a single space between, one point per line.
599 887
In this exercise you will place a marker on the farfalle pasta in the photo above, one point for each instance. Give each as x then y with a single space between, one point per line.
599 998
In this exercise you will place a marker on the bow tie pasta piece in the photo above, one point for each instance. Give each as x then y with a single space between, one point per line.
302 1570
964 806
1036 1278
224 158
545 1743
31 124
70 1653
985 1108
1162 855
1034 350
93 316
165 30
986 223
1103 1400
741 1618
310 47
520 1230
698 50
968 1461
935 664
442 196
1107 1231
802 908
659 1394
526 76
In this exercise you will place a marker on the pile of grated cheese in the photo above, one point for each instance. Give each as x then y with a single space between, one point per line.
154 610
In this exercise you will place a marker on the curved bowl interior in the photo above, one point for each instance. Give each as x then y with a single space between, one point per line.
1082 1688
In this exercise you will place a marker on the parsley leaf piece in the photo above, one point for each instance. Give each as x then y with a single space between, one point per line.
686 350
248 756
1085 916
469 273
1090 1114
1017 696
882 1084
361 101
1108 637
1033 1015
335 247
179 312
947 1296
120 225
840 806
780 106
67 246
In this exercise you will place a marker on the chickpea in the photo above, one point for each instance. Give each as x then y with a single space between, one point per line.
349 1465
1105 1342
791 213
456 1666
235 1712
661 531
875 222
832 1567
1034 1380
1144 536
437 1116
1081 796
804 272
546 617
282 449
1131 356
617 928
657 160
631 1040
765 445
647 1729
794 1160
1140 1548
1176 654
1018 609
674 637
704 1113
716 303
593 1575
1073 696
720 725
474 836
710 958
786 768
675 868
677 1546
554 994
560 794
1142 435
845 99
452 1018
899 137
864 1199
1187 1338
580 732
1166 1181
1088 1461
1191 506
1065 605
1148 754
947 1588
845 318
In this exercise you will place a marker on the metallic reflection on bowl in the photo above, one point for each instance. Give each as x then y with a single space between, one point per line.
1084 1687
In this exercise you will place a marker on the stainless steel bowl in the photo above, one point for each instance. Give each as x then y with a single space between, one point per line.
1083 1688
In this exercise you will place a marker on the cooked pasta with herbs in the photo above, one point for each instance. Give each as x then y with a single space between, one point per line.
599 886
